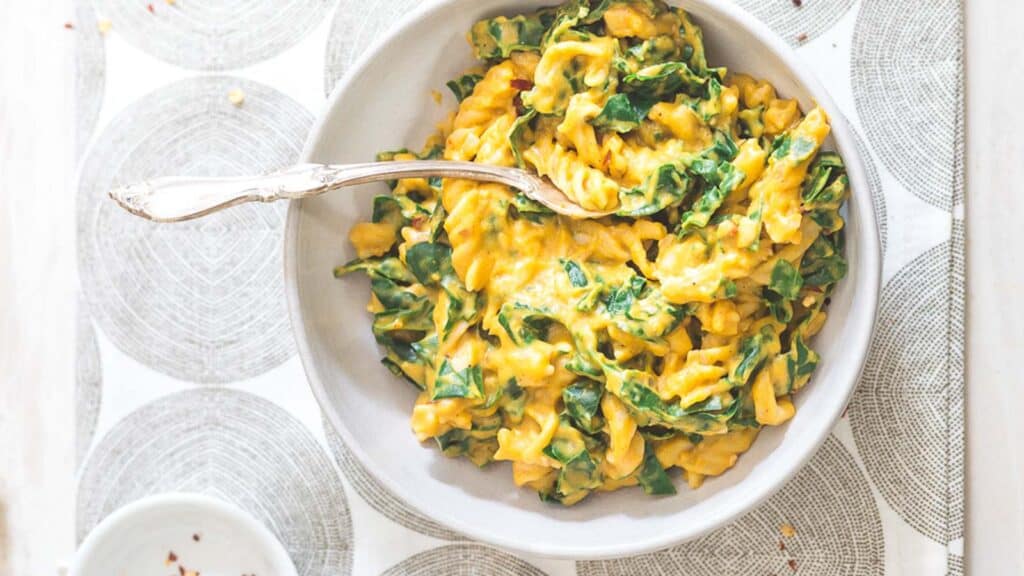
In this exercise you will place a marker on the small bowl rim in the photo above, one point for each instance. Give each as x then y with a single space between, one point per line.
109 526
869 267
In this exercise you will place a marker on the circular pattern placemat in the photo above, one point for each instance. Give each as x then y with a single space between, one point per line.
88 383
828 505
379 497
463 560
798 21
907 74
358 24
214 34
907 416
202 300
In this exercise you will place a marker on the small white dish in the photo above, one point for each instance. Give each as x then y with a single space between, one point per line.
383 104
154 535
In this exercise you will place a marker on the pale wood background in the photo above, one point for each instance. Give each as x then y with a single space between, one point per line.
995 288
37 271
37 264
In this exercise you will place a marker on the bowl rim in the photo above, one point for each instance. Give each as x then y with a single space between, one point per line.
110 525
869 271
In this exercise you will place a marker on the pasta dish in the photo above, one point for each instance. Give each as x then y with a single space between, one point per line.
631 349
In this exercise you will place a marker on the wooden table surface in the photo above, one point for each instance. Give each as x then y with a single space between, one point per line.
37 347
995 288
37 289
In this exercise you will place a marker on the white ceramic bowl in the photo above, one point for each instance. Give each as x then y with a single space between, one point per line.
382 104
137 539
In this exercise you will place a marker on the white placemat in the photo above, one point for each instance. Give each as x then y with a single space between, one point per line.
188 378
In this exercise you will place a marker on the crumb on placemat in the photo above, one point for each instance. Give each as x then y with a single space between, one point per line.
787 530
236 97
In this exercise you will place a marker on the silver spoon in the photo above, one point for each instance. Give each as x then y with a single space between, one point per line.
178 199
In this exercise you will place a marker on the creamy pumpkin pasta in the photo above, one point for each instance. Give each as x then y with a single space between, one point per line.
598 354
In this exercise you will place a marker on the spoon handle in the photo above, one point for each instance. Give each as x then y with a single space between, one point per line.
178 199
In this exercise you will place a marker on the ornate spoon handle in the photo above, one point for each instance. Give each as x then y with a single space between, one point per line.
177 199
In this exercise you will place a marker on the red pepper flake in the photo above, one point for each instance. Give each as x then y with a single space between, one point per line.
802 37
782 545
195 537
181 570
69 26
417 220
521 84
171 558
517 101
798 3
150 8
792 564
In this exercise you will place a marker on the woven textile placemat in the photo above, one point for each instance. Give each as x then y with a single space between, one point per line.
188 377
